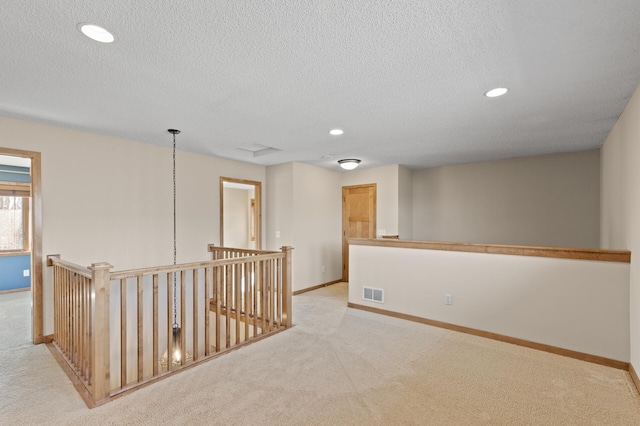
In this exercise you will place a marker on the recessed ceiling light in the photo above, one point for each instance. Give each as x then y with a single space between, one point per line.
336 132
494 93
96 33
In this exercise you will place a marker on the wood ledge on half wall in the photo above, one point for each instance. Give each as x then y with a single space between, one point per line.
623 256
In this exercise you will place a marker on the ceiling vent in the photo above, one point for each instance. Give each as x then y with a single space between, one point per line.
258 150
373 294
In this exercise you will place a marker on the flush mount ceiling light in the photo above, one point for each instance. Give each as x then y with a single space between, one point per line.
494 93
336 132
349 163
96 33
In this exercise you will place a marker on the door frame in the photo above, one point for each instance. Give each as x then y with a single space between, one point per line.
258 207
37 317
345 221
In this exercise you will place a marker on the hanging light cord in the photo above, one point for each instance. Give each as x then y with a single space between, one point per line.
175 295
174 199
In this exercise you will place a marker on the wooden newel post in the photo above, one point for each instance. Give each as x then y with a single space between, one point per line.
100 356
287 287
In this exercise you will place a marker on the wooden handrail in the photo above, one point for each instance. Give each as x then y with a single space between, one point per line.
132 273
213 247
54 260
516 250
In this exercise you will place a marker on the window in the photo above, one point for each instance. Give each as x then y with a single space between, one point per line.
14 219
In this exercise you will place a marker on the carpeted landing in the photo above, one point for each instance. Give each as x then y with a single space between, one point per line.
336 366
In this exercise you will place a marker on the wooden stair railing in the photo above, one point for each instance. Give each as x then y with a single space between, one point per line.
236 298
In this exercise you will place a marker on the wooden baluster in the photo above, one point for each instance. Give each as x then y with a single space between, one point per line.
64 313
287 287
87 328
74 322
100 331
277 296
195 314
183 317
238 302
88 331
272 293
218 296
155 325
140 330
69 314
207 310
123 332
81 322
267 297
169 319
246 293
254 296
263 297
56 305
228 302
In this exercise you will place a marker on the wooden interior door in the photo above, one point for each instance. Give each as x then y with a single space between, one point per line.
358 218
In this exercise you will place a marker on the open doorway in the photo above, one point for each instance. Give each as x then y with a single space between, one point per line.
240 213
21 230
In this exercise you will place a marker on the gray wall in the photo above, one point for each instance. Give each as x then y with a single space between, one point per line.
620 207
304 205
543 200
405 203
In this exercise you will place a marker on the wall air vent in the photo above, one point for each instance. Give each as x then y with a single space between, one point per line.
373 294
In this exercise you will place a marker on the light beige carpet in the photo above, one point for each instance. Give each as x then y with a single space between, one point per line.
337 366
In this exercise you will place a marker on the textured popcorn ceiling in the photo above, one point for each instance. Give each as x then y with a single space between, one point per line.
404 79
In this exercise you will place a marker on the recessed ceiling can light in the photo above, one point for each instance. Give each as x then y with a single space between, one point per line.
336 132
494 93
96 33
349 163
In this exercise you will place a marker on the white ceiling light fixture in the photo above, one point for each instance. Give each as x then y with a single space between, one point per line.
349 163
494 93
336 132
96 33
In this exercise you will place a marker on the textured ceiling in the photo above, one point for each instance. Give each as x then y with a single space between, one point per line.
404 79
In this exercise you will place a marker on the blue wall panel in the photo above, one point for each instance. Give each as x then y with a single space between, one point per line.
11 272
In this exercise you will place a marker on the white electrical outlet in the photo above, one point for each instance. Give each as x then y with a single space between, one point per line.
25 273
448 299
324 269
277 234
